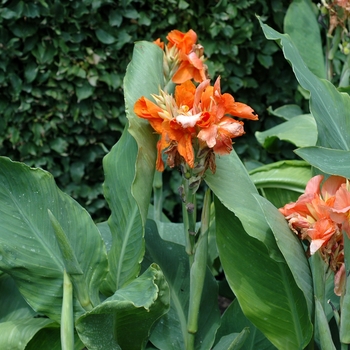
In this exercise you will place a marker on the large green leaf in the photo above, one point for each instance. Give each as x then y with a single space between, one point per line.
300 130
231 183
17 334
124 320
28 248
265 288
329 107
19 326
329 161
233 321
281 182
252 260
144 76
291 249
171 331
300 19
12 304
129 170
127 247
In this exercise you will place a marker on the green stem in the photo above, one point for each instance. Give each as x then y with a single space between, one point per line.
67 320
198 272
322 329
189 217
344 333
158 195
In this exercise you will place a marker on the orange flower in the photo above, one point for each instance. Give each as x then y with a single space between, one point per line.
195 113
190 56
341 208
217 129
320 215
159 43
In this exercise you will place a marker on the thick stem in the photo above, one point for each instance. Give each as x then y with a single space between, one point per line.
198 272
344 333
158 195
67 320
189 217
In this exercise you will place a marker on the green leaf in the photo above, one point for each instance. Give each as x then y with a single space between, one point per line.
237 197
300 130
322 327
233 321
282 182
252 260
125 222
28 247
280 312
328 106
171 331
291 249
300 19
146 66
233 341
329 161
105 37
84 91
286 112
124 320
17 334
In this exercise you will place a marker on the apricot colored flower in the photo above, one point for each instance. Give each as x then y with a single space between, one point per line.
341 208
320 215
197 121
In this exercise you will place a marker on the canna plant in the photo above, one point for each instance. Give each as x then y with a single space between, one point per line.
139 281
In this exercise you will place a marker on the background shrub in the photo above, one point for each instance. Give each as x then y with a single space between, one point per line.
62 65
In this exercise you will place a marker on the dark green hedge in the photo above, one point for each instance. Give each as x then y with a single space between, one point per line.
62 65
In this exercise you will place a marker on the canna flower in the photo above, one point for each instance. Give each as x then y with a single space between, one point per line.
320 216
195 123
341 208
183 59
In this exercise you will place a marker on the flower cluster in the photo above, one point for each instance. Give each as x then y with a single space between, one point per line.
321 216
183 59
197 121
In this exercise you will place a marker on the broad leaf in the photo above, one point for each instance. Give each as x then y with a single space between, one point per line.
232 185
329 161
282 182
233 341
171 331
12 304
329 107
286 112
129 170
300 19
291 248
300 130
124 320
125 223
265 288
144 76
28 248
233 321
17 334
252 260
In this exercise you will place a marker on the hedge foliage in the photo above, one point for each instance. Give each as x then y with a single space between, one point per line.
62 65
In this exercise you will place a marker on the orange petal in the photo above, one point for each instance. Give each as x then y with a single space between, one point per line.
186 150
209 135
184 94
183 41
238 109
